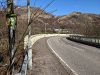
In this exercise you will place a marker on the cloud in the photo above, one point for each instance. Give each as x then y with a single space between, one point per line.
20 2
15 2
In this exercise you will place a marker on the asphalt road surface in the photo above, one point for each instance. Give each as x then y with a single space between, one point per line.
80 58
44 61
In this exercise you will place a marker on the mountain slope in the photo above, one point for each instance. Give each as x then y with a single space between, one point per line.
88 24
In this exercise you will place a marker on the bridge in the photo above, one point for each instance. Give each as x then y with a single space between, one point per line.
76 58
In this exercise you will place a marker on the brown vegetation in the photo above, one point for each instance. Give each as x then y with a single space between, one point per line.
86 24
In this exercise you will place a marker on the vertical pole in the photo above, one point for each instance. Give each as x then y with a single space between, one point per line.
11 22
45 28
10 9
29 38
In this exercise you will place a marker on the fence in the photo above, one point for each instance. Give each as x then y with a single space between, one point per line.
94 41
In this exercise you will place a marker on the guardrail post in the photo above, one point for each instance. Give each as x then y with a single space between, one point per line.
29 38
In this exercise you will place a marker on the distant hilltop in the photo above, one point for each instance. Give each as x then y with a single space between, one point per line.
76 22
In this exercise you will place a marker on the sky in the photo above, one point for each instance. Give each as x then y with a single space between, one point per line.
65 7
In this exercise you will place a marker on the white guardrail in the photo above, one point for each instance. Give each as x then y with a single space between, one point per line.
35 38
28 59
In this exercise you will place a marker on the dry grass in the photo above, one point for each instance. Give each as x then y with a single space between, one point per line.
4 45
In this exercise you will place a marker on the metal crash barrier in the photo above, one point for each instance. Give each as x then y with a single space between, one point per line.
94 41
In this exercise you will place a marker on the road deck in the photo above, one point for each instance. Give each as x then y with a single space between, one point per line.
45 62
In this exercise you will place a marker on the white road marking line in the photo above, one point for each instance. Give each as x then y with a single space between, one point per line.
78 49
61 59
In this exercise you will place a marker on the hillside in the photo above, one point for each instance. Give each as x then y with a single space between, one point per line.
76 22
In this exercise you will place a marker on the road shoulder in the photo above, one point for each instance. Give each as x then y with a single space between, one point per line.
44 62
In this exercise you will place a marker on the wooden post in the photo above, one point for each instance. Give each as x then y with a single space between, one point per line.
11 22
10 6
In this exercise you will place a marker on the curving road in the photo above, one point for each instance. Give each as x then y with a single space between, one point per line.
81 59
